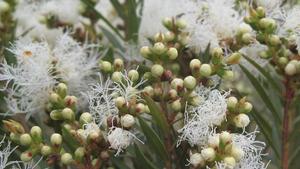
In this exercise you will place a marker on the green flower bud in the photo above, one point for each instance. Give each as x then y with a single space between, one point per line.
139 108
159 48
283 61
54 98
195 101
46 150
120 102
246 107
25 139
181 24
264 54
195 64
177 84
231 103
85 118
176 105
14 137
241 120
234 58
173 94
148 90
145 51
118 64
79 153
172 53
56 115
169 36
225 137
167 22
260 12
62 90
56 139
228 75
237 153
230 161
159 37
70 101
189 82
208 154
175 67
4 7
36 131
290 69
196 160
214 141
157 70
116 77
68 114
247 38
205 70
127 121
26 156
267 24
147 75
184 39
274 40
66 158
244 28
105 66
217 52
133 75
147 110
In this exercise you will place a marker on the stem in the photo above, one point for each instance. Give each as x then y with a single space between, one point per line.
288 96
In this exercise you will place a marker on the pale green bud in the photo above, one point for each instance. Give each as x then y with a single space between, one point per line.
214 141
244 28
290 69
225 137
283 61
120 102
56 139
116 77
217 52
234 58
167 22
205 70
36 131
247 38
159 48
46 150
267 23
159 37
66 158
173 94
54 97
133 75
176 105
172 53
62 90
79 153
195 64
25 139
260 12
181 24
228 75
208 154
189 82
86 118
231 102
196 160
139 108
230 161
169 36
157 70
127 120
246 107
237 153
241 120
177 84
105 66
274 40
148 90
26 156
4 7
68 114
118 64
14 137
145 51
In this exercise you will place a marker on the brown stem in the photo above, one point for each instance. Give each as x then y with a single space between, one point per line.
288 96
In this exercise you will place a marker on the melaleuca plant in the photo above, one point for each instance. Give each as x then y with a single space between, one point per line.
208 84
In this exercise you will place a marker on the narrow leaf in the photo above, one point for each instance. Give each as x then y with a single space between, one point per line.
142 160
112 38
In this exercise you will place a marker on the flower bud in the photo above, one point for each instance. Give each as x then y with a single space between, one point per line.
157 70
181 24
173 94
189 82
247 38
205 70
145 51
246 107
264 54
14 137
66 158
120 102
167 22
56 115
195 101
290 69
172 53
231 103
116 77
228 75
36 131
283 61
139 108
85 118
244 28
70 101
54 98
26 156
169 36
234 58
68 114
195 64
260 12
267 23
274 40
159 48
230 161
176 105
225 137
62 90
184 39
133 75
25 139
56 139
241 120
79 153
208 154
105 66
159 37
177 84
118 64
196 159
217 52
46 150
237 153
149 91
214 141
4 7
127 121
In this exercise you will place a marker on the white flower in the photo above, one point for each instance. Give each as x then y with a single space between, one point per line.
120 139
101 101
90 128
200 120
5 152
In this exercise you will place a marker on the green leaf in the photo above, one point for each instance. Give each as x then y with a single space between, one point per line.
262 93
109 55
119 163
112 38
154 140
266 130
142 160
266 74
69 140
205 56
158 115
295 156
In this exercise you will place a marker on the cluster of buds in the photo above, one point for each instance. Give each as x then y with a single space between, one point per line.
237 111
220 149
61 105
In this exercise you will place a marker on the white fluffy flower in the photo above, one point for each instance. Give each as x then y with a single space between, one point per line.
101 101
5 152
120 139
200 120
